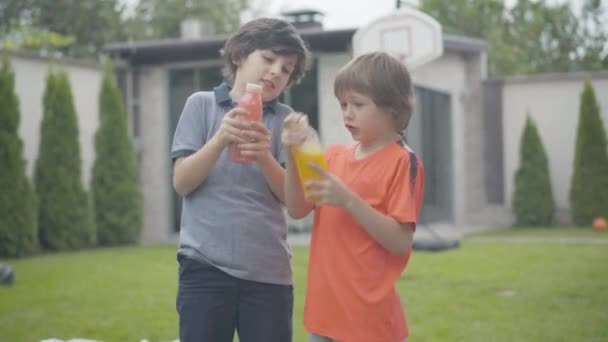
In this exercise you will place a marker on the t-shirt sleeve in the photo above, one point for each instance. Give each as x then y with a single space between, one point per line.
191 132
330 153
405 195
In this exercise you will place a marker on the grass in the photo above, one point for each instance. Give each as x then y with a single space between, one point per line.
483 291
558 232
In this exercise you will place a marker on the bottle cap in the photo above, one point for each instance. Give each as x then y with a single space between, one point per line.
252 87
312 138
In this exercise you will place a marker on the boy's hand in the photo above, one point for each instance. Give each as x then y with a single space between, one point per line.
329 190
294 129
257 140
232 129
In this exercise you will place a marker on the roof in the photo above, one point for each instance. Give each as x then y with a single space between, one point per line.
302 11
180 50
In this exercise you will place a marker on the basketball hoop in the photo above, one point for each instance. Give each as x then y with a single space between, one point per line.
409 35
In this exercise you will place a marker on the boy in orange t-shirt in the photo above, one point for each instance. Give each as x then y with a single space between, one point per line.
367 205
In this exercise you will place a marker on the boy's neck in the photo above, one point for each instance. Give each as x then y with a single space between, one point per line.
370 147
237 91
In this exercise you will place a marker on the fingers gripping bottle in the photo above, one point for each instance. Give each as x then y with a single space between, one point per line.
309 151
252 103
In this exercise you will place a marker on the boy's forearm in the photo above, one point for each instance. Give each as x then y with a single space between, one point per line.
295 201
192 171
392 235
274 174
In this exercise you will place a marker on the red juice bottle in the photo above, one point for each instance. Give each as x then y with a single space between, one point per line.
252 103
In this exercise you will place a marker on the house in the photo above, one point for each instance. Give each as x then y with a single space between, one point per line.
465 128
446 130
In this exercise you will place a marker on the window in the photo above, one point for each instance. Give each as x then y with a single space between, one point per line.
303 97
430 134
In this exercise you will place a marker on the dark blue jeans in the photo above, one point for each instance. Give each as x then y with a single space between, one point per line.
212 305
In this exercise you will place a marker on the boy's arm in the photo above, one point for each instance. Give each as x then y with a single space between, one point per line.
258 147
393 230
396 237
295 201
274 174
190 172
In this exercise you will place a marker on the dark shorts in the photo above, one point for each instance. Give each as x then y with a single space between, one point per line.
212 305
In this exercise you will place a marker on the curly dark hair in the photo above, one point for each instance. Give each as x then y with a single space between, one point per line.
272 34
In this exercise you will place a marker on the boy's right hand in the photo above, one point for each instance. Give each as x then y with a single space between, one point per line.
295 129
231 129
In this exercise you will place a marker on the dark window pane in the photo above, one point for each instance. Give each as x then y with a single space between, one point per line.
303 97
435 149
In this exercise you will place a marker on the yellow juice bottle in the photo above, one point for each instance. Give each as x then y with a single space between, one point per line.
310 151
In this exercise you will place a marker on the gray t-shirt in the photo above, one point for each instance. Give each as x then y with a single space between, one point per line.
232 221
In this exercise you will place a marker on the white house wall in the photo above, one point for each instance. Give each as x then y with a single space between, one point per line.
553 102
155 147
331 125
30 81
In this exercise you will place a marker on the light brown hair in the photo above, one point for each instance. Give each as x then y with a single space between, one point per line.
382 78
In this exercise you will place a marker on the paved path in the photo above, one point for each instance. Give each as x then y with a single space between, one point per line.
423 233
446 232
534 239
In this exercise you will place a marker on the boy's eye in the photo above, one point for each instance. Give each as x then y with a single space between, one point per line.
286 71
343 105
268 59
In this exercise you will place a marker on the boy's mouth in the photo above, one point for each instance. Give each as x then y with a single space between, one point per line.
351 128
267 84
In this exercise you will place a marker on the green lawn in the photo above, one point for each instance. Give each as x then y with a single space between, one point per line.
558 232
483 291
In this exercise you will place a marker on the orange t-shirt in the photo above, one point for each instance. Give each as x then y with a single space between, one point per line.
351 295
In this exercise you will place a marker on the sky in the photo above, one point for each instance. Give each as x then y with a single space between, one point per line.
346 13
352 13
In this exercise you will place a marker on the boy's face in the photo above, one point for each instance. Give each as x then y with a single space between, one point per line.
268 69
364 120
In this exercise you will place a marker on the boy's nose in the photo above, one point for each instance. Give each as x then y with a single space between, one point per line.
275 68
347 113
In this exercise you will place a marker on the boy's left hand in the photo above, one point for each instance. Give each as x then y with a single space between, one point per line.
259 141
329 190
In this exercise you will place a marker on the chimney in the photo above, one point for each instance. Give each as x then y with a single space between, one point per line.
305 18
194 28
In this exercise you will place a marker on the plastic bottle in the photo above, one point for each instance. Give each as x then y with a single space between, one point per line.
309 151
252 103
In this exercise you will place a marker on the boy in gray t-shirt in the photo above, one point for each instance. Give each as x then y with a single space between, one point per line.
234 260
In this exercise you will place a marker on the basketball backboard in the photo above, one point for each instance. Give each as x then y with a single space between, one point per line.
407 34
